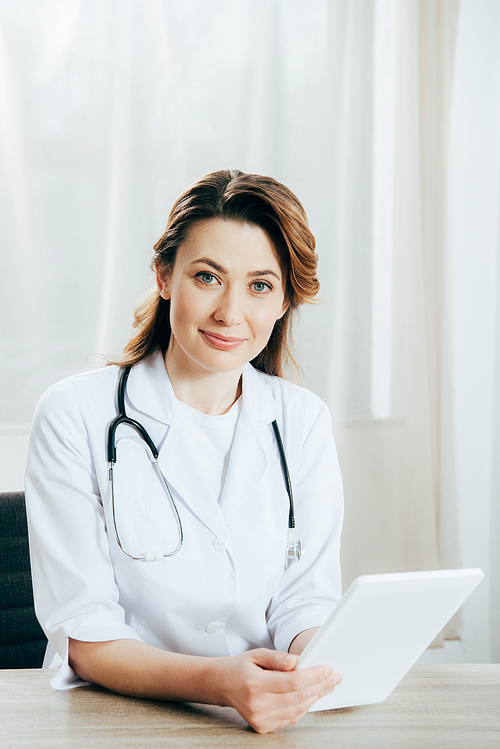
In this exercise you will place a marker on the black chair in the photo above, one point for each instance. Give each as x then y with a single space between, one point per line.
22 641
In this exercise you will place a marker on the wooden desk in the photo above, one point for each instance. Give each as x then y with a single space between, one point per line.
438 706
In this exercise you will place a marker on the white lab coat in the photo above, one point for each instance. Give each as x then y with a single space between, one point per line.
226 591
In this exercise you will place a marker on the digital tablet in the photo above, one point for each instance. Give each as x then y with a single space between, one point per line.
381 627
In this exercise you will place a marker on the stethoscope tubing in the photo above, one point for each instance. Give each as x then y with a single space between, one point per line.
293 548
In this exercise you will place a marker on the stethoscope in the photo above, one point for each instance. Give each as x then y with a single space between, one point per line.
293 549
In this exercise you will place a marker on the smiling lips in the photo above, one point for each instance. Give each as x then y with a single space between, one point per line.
220 341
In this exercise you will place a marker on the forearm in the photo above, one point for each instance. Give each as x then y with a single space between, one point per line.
303 638
133 668
260 684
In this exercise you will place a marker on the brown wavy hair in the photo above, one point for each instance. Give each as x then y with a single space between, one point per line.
232 195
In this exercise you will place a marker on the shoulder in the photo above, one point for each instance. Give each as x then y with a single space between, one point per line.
77 395
304 422
80 385
284 390
291 402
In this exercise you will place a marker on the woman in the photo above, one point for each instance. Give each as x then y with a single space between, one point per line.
170 581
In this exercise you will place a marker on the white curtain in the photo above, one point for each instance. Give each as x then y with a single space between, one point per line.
108 109
391 376
475 270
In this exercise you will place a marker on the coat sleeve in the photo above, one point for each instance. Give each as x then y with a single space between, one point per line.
310 588
74 586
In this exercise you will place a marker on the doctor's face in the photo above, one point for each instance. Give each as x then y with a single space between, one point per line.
226 291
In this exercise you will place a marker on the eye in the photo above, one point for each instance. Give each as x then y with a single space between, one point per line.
206 278
261 286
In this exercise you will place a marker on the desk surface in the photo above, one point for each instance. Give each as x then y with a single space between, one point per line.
440 706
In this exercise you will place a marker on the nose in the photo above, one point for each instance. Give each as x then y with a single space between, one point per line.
229 310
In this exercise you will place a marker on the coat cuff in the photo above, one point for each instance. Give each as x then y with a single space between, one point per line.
66 678
288 631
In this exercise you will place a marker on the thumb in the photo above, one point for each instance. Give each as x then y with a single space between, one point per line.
275 660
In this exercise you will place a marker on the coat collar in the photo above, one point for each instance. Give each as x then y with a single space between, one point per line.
150 392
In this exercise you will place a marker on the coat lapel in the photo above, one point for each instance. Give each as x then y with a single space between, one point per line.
150 394
247 466
183 473
252 442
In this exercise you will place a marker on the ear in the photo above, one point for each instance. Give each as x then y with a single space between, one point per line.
284 308
163 281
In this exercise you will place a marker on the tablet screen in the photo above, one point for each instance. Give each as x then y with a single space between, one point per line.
381 627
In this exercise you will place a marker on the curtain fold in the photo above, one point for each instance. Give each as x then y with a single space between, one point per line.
396 452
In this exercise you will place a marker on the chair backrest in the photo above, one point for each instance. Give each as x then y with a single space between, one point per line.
22 641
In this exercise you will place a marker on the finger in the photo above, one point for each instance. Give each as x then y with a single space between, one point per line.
297 680
275 715
274 660
311 692
288 715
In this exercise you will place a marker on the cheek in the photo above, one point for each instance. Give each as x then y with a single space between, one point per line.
185 307
264 319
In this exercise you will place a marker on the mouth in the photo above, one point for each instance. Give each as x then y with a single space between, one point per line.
223 343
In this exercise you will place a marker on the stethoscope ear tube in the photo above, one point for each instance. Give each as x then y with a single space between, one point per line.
286 474
293 548
122 418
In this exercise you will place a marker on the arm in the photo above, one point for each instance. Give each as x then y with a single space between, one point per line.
304 638
260 684
74 584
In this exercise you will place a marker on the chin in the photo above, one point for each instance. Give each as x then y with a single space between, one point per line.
223 367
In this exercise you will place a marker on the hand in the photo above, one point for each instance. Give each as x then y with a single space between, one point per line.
264 688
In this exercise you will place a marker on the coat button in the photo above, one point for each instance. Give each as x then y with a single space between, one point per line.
212 628
220 544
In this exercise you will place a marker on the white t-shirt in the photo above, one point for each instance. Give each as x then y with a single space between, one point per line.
212 438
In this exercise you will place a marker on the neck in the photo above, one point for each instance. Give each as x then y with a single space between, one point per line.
209 392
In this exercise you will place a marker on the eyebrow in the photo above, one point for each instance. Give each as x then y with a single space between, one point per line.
221 269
